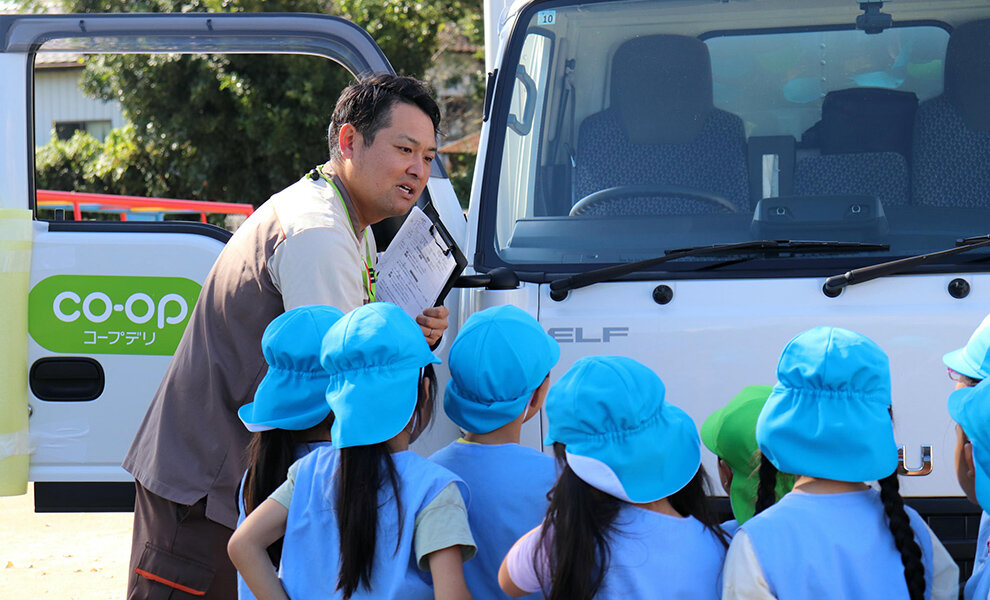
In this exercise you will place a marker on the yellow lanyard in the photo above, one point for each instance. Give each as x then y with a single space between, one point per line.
369 271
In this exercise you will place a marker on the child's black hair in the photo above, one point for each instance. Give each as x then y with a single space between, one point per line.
766 491
582 519
269 456
900 528
361 473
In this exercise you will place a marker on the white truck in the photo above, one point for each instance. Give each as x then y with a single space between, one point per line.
687 182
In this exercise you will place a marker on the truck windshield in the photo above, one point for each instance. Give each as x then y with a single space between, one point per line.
630 128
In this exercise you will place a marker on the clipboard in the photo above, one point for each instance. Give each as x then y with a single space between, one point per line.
421 264
460 261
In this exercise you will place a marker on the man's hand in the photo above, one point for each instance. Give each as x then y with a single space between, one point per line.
433 322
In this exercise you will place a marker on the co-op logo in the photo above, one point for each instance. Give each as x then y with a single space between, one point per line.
104 314
139 308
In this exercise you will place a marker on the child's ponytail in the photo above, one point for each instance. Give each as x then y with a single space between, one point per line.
361 473
900 527
581 519
766 491
270 454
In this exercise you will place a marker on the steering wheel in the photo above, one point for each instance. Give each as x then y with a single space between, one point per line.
647 189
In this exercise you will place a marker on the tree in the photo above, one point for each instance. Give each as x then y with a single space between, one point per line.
238 128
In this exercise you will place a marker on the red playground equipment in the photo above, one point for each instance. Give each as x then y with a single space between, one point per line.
134 207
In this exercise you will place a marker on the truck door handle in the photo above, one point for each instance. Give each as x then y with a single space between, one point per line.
66 379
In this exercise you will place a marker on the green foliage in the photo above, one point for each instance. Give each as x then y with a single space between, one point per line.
461 175
121 164
233 128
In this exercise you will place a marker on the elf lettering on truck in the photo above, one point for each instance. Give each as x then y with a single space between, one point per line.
687 183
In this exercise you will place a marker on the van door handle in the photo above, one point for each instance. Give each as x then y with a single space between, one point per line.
66 379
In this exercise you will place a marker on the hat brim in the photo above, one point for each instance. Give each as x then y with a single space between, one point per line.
372 405
287 399
246 415
649 463
479 417
298 422
709 431
958 361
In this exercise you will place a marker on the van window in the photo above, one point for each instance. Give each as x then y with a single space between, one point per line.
175 137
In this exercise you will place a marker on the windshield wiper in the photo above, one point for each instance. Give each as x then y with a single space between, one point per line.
835 283
560 287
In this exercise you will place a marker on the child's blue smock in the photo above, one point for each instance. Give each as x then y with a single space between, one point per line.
730 527
821 546
660 556
978 585
243 593
651 555
311 550
509 485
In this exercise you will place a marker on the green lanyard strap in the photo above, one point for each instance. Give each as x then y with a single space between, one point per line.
368 276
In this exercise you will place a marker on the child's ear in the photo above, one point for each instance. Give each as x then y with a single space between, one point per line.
424 388
537 399
968 458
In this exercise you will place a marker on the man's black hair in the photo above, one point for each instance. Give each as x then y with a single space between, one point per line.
367 105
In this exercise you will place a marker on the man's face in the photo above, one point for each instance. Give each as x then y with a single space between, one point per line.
386 178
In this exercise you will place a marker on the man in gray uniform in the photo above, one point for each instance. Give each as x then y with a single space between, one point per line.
309 244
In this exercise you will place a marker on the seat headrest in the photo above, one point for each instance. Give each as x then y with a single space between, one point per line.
967 73
662 88
867 120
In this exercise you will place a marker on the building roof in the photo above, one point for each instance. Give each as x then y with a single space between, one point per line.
59 60
466 145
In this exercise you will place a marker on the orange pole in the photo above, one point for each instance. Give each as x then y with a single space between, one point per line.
76 213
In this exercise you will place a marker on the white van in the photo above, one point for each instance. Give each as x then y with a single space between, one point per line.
687 182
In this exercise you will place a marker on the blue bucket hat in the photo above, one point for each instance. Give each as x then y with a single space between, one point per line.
970 408
374 355
497 361
621 436
292 393
829 414
973 359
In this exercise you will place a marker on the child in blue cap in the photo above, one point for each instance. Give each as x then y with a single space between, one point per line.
968 367
366 518
828 421
499 376
630 516
289 416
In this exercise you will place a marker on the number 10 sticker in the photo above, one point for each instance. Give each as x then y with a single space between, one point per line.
546 17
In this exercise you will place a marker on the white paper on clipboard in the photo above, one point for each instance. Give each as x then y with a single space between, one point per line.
412 272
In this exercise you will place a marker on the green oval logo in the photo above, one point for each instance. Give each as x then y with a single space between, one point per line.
103 314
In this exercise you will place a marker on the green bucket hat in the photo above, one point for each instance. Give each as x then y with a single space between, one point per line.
730 433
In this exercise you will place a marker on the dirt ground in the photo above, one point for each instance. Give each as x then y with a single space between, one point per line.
61 555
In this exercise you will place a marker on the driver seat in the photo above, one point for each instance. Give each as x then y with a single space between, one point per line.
662 128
